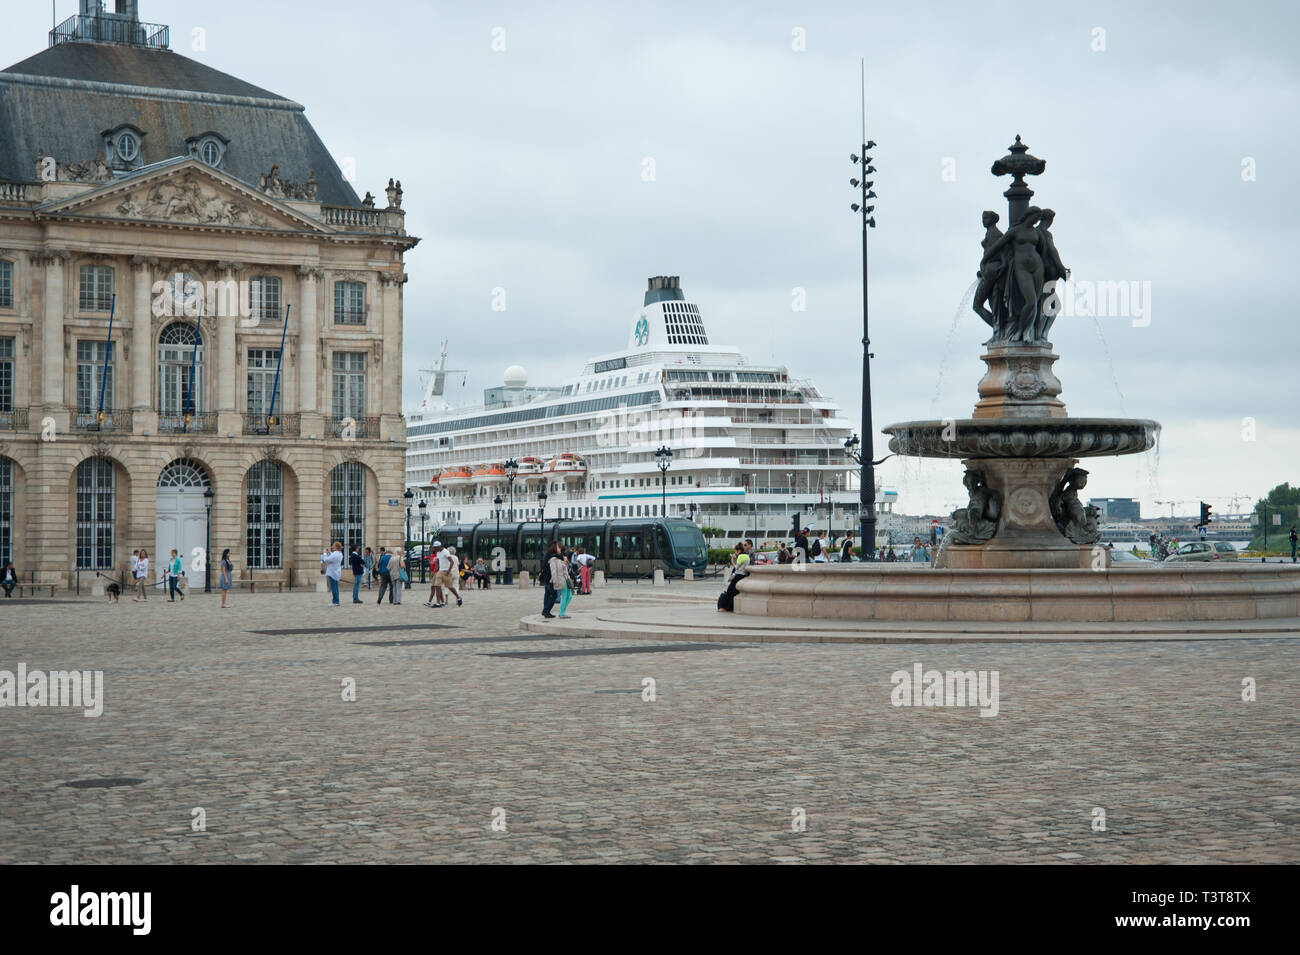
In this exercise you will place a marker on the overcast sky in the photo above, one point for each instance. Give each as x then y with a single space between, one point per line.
523 169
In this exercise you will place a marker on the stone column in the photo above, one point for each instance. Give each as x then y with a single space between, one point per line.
226 366
390 402
53 360
145 416
309 405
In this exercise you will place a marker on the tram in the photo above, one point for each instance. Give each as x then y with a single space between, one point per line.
623 547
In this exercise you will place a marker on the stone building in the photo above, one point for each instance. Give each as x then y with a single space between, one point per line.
158 218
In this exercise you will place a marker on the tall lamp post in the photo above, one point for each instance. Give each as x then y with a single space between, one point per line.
664 458
867 478
541 500
424 541
207 546
406 543
512 472
497 502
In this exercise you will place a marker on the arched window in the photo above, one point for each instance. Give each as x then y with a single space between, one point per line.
265 494
183 472
6 511
347 504
180 370
95 486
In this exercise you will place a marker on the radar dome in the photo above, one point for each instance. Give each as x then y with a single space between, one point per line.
516 377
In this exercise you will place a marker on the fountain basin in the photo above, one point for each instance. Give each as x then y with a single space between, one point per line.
874 591
1022 437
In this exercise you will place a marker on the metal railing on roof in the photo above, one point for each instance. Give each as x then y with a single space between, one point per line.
111 29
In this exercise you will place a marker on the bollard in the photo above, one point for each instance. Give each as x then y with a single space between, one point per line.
689 574
598 579
659 577
321 586
97 588
523 580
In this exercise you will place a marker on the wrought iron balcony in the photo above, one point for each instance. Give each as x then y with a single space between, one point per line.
199 423
15 419
109 28
354 429
271 424
120 421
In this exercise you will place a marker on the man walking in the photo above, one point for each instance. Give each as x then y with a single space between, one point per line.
381 571
1293 543
443 578
333 561
550 595
370 568
846 550
358 568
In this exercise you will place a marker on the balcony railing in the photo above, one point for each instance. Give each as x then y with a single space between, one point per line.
16 191
280 424
111 421
15 419
200 423
111 29
352 217
354 429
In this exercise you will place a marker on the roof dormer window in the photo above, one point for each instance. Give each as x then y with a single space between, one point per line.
122 146
209 148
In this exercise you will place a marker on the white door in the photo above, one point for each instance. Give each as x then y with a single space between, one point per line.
181 523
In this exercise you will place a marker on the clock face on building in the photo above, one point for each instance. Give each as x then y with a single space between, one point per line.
642 331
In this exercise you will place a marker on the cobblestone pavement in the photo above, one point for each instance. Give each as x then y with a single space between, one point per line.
252 728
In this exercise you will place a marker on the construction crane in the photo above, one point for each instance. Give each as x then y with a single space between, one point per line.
1171 506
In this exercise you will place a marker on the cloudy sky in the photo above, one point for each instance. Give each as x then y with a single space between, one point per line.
1170 133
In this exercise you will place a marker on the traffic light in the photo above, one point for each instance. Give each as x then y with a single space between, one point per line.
1205 515
794 526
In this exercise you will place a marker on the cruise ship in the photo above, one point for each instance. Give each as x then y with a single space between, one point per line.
745 446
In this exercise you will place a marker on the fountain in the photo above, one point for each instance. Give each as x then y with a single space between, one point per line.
1024 547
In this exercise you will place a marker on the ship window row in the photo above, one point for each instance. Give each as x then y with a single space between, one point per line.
646 482
534 414
604 384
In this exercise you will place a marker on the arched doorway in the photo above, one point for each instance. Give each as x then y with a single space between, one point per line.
181 511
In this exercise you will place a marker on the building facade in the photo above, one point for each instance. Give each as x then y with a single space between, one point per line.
200 322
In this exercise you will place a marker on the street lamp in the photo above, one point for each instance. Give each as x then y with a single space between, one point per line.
664 458
867 480
862 457
406 542
497 502
541 500
207 551
424 556
512 472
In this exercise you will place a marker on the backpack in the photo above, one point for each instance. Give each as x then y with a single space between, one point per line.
383 564
816 549
545 576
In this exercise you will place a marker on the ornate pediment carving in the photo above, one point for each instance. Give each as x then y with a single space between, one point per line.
276 186
186 199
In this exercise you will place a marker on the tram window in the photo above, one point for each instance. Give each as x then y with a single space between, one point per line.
532 547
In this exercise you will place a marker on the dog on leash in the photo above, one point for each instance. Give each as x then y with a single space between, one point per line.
113 591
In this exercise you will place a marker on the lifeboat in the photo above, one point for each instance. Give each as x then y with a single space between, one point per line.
567 465
488 473
530 469
455 477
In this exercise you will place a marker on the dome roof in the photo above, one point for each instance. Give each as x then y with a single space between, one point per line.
516 377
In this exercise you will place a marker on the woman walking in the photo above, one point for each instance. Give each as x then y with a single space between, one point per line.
174 575
227 571
141 576
561 581
397 574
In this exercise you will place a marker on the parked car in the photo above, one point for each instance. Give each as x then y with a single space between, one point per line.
1203 550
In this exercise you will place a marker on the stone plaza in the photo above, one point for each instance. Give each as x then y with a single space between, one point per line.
471 739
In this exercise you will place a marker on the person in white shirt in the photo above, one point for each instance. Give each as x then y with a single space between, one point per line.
585 561
445 578
333 561
141 575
